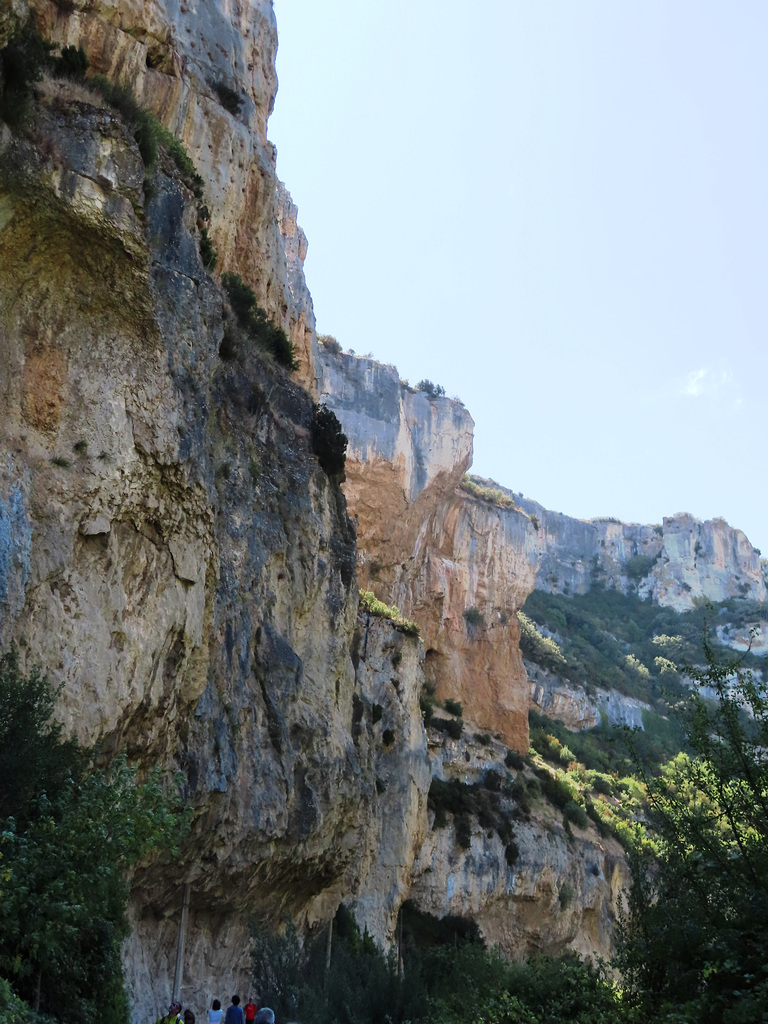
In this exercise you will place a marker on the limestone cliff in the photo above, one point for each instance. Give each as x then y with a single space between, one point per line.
172 552
578 709
460 567
208 71
674 562
558 891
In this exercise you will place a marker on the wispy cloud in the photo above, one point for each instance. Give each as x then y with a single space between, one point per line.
706 383
717 389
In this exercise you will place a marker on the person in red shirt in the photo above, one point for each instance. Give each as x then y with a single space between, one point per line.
250 1011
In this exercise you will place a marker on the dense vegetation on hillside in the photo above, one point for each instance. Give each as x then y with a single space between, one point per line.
608 640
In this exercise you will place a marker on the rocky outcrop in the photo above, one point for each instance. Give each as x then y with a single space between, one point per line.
171 550
390 673
674 563
208 71
560 891
709 560
457 565
173 554
578 708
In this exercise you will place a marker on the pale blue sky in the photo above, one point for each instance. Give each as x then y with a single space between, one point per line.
558 210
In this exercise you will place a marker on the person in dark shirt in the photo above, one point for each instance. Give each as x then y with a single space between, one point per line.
234 1014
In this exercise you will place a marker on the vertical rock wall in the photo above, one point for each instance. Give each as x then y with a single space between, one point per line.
207 69
460 567
170 550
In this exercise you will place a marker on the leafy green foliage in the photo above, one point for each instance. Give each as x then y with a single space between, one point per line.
68 835
373 606
473 617
697 927
481 801
638 567
208 254
34 757
329 442
600 629
542 650
447 976
22 62
73 62
454 727
487 491
255 322
453 707
433 390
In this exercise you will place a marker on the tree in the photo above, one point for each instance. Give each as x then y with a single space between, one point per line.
65 854
697 924
433 390
329 442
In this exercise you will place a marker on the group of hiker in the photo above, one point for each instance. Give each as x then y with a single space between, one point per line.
235 1014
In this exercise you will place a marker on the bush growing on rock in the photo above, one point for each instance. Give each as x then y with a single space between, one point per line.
453 707
473 617
255 322
329 442
433 390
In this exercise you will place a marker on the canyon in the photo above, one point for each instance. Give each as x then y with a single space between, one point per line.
174 556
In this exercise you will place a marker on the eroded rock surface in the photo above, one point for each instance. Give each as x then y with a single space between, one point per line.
458 566
207 70
556 892
170 550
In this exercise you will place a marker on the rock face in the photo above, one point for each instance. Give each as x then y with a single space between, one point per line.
576 708
560 892
458 566
674 563
208 71
172 553
710 560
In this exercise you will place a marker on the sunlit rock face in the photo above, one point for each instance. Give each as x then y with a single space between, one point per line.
208 71
173 555
458 566
560 892
390 672
709 560
579 708
674 562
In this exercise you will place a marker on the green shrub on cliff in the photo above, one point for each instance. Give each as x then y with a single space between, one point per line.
483 491
373 606
329 442
22 62
255 322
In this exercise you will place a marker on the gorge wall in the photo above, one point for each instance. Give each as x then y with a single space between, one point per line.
171 551
175 557
674 562
458 566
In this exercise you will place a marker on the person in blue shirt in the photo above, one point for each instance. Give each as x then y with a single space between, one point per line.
234 1014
